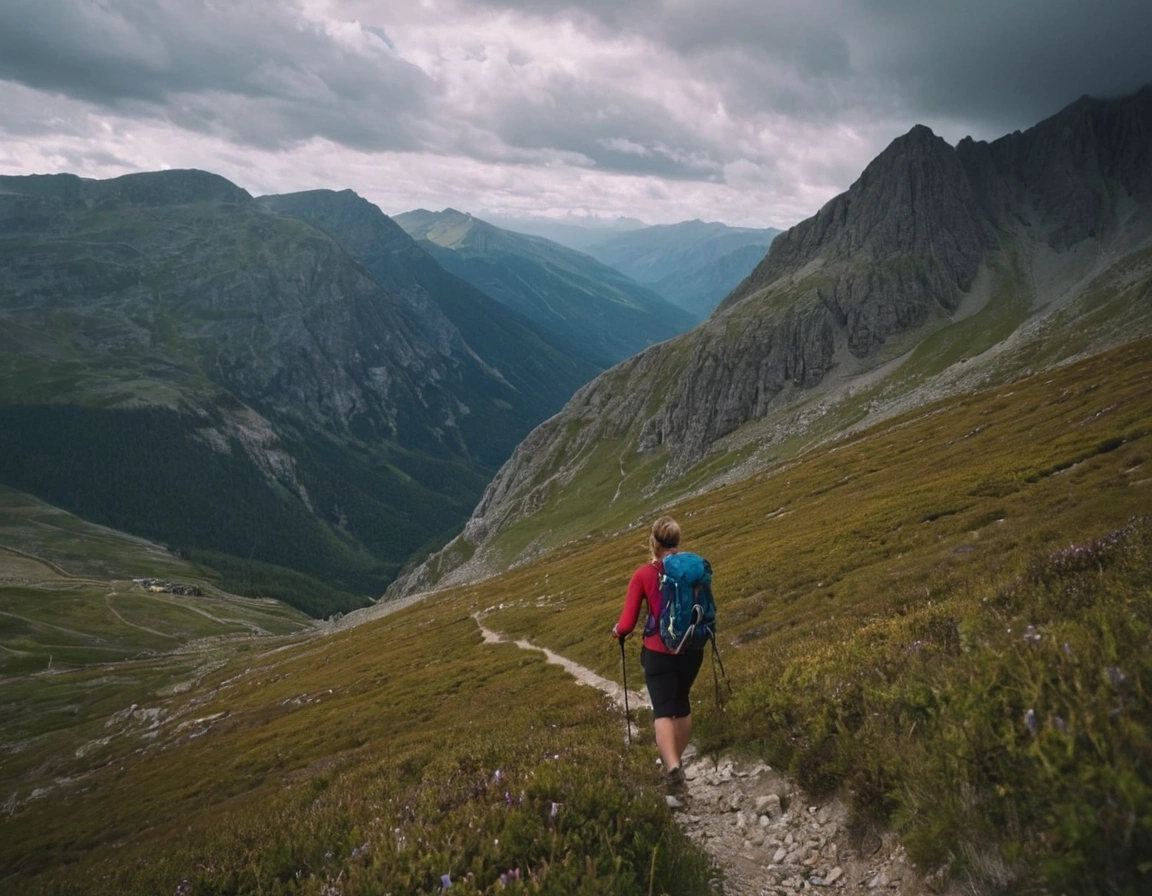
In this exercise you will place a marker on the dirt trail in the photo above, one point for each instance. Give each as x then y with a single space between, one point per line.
582 674
763 832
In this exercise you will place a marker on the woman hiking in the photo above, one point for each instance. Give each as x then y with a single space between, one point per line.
669 676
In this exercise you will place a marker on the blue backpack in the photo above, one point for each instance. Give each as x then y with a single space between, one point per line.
687 618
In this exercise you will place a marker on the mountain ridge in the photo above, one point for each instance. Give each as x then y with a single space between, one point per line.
533 364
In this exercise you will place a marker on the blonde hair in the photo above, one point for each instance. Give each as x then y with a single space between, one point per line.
665 535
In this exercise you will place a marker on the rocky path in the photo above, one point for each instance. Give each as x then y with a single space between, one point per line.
770 840
762 832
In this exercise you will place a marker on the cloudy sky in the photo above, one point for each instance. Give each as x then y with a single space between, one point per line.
751 112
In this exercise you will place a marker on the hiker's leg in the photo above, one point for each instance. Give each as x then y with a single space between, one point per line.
666 741
689 666
682 728
660 674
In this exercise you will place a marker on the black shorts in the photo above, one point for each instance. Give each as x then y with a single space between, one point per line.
669 677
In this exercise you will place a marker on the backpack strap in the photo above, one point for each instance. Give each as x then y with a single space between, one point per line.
652 623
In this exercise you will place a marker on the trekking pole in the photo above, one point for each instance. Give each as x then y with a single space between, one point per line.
624 668
716 681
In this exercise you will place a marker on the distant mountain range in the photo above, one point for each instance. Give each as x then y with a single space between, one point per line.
573 232
290 391
598 313
942 269
693 264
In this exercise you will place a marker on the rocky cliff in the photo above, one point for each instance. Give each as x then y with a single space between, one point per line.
938 260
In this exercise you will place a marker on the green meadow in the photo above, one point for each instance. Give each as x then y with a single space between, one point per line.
945 619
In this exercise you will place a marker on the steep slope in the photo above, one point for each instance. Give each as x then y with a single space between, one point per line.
693 264
593 309
517 350
939 270
181 363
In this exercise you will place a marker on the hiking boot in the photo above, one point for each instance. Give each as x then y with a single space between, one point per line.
674 780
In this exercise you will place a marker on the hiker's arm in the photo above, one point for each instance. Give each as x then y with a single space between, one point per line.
631 611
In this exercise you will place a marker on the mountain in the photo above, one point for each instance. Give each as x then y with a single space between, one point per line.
512 347
595 310
184 364
693 264
940 270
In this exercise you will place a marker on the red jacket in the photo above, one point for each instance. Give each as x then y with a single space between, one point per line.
645 586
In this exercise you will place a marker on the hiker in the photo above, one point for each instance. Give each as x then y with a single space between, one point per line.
669 675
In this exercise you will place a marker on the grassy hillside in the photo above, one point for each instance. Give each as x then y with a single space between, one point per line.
945 618
91 626
129 468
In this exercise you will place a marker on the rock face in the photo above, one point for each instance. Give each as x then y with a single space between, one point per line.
907 238
166 340
930 234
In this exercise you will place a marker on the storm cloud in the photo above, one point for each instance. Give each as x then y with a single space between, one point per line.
266 73
750 111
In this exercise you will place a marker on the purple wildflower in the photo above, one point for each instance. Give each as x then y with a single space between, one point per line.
445 881
1030 720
